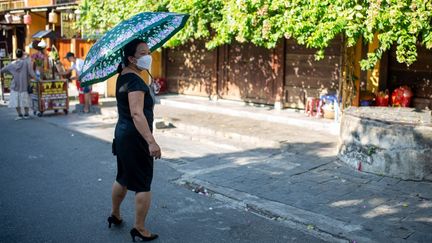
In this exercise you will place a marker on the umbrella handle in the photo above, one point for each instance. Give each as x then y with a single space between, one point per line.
150 75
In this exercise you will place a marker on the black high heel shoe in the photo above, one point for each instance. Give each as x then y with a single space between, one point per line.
134 232
114 220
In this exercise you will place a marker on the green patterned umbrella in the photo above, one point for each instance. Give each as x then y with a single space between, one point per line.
155 28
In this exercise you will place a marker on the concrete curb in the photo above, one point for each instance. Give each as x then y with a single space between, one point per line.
236 137
332 128
326 228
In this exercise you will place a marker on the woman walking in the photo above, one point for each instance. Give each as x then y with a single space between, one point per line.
134 143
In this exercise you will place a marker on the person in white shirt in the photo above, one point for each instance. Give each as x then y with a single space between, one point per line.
77 65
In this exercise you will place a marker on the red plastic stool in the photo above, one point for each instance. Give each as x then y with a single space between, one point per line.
94 98
320 112
314 106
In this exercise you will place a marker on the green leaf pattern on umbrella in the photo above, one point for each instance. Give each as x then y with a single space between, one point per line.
106 54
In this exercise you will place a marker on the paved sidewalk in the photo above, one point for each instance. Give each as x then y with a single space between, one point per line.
262 113
285 172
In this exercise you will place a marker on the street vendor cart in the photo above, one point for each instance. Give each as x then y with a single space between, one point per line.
49 95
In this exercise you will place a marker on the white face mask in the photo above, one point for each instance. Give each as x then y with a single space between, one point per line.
144 62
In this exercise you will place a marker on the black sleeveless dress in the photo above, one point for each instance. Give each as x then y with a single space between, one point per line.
134 163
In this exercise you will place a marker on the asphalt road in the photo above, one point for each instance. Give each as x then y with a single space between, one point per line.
56 184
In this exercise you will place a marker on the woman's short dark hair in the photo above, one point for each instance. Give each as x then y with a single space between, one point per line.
19 53
129 51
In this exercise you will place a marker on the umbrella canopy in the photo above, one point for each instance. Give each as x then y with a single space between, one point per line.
155 28
44 33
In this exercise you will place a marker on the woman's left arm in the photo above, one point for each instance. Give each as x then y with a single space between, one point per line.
136 106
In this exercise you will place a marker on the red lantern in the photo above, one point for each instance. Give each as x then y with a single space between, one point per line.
27 19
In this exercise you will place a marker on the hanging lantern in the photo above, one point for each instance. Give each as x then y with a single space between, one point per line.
52 17
8 18
27 19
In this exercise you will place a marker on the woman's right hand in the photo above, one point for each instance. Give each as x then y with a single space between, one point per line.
155 150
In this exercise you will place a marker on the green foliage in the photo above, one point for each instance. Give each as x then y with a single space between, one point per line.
98 16
314 23
202 14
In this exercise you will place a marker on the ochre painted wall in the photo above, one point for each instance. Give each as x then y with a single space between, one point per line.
34 3
38 23
373 75
156 69
111 85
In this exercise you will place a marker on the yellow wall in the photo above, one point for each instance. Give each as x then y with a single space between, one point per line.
156 69
34 3
38 23
373 75
111 86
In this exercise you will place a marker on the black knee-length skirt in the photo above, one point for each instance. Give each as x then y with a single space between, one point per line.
134 163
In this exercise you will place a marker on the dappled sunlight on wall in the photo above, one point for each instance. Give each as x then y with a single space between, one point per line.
189 69
236 71
247 73
306 77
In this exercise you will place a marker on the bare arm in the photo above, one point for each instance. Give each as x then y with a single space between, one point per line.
67 72
136 106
